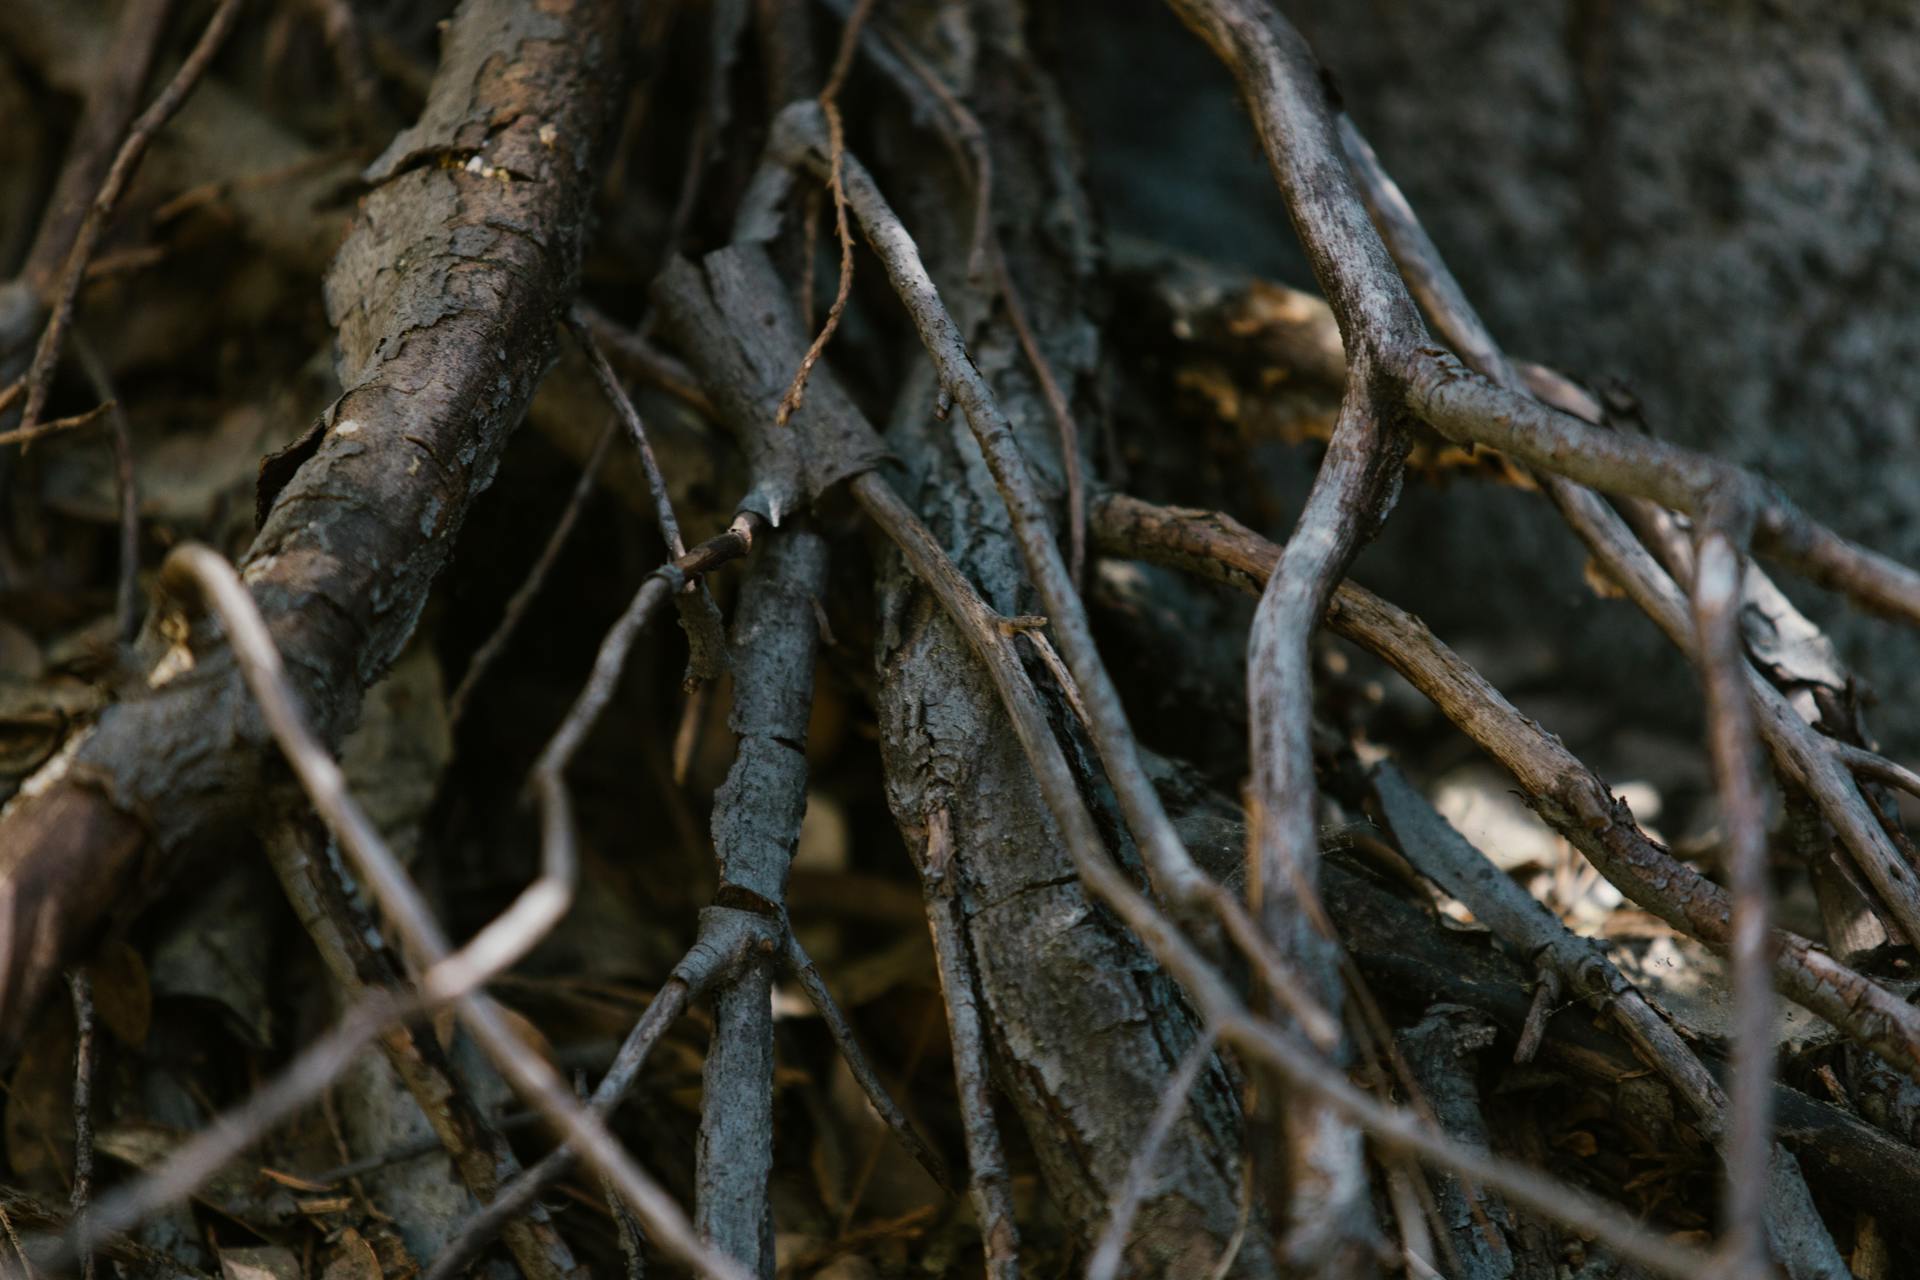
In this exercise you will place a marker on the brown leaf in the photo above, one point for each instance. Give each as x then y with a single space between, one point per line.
352 1259
121 995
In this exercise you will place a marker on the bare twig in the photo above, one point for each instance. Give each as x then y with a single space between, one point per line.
986 1160
1107 1252
836 133
1443 855
521 1194
967 140
1563 790
1293 115
82 989
39 377
367 479
1873 765
630 418
644 361
1299 1067
40 430
1816 762
203 1155
451 975
716 333
699 615
344 937
798 140
861 1067
1354 488
523 596
1731 739
110 105
1062 412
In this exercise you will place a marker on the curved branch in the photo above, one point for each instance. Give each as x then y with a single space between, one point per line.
1571 798
444 298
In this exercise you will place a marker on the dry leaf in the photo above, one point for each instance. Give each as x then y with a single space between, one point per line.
352 1259
122 997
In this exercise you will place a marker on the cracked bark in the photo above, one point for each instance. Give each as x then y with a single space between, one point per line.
444 297
1085 1030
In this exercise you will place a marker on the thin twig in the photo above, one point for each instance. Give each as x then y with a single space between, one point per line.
490 650
202 1156
798 139
126 605
986 1160
111 103
1202 895
1806 756
39 377
356 961
699 615
860 1066
1733 746
1297 1066
1450 861
1873 765
39 430
82 989
968 141
521 1194
1572 799
636 430
451 975
836 146
1106 1259
1293 114
1062 412
644 361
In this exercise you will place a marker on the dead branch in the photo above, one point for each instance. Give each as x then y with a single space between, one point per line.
1787 1217
39 377
986 1157
1279 76
478 1150
725 316
756 826
798 141
1570 797
1732 745
1392 1128
343 561
447 975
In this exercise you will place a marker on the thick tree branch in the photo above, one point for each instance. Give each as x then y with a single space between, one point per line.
445 299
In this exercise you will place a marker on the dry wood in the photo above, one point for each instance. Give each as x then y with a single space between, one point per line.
342 564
